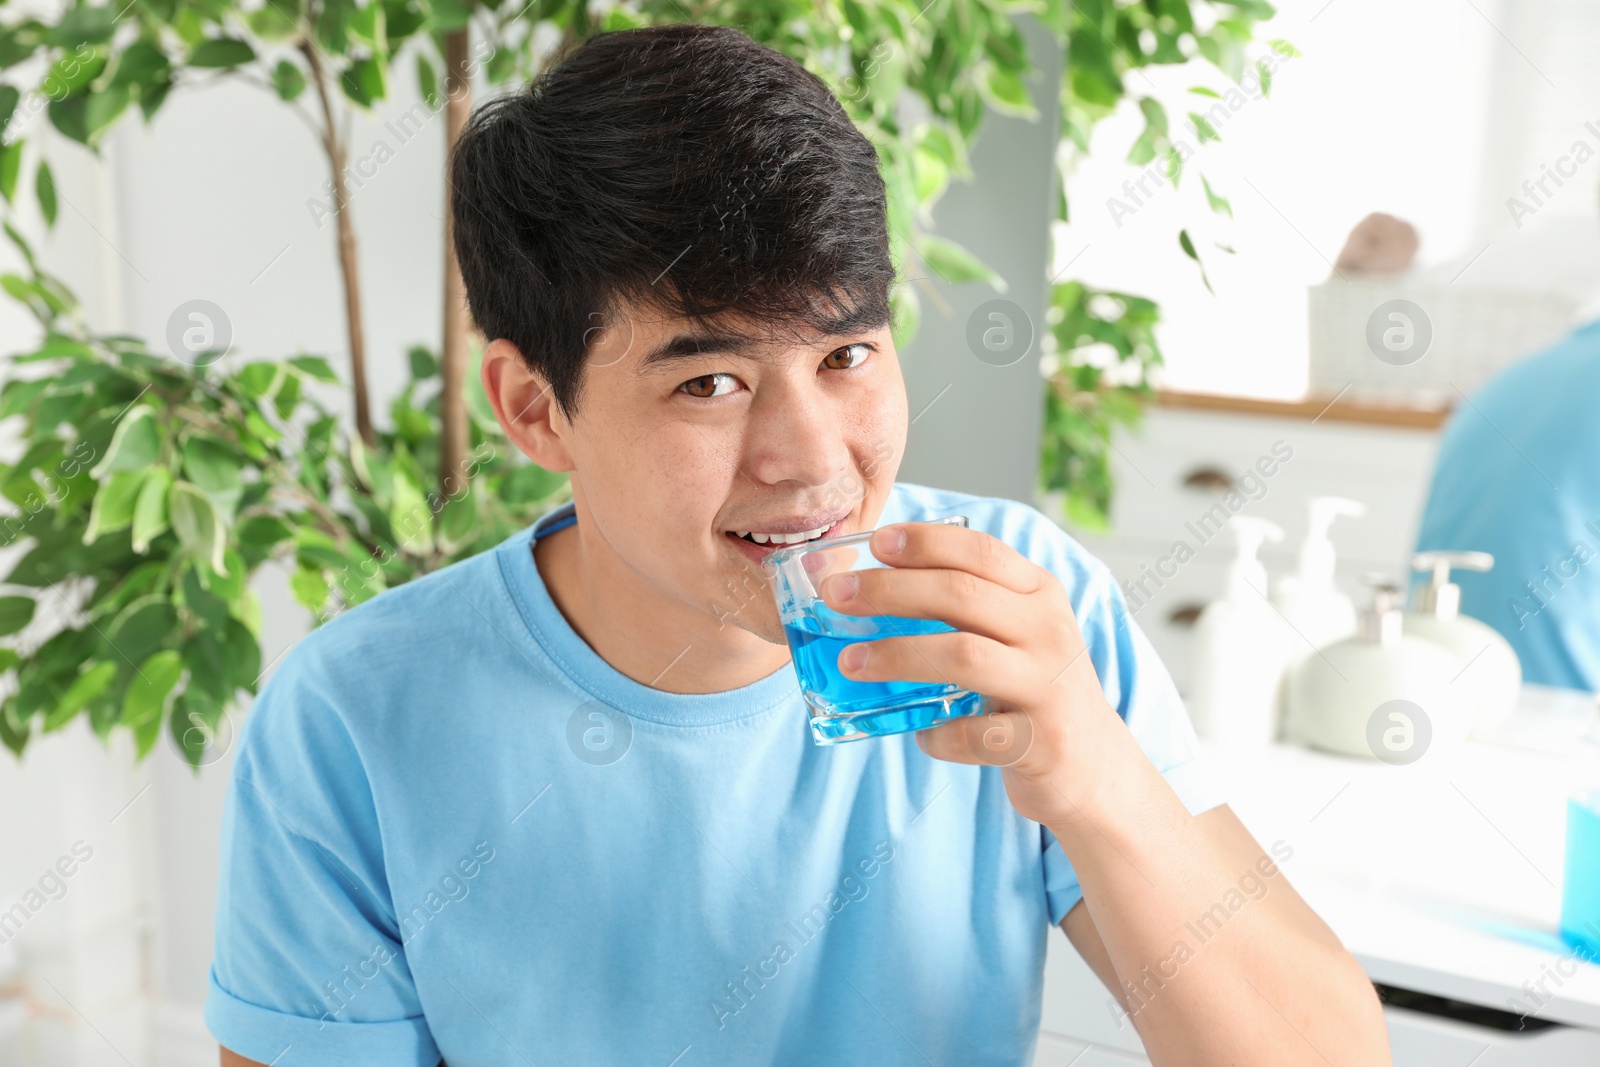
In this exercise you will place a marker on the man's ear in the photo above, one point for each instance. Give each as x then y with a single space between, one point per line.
525 407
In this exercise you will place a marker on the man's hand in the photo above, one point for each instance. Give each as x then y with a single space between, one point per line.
1274 987
1048 722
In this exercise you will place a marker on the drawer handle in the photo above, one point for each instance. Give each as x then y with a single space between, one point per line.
1209 479
1185 614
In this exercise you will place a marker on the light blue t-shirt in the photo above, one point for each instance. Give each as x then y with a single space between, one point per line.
454 830
1518 476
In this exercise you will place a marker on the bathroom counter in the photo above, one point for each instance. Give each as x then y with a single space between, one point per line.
1442 876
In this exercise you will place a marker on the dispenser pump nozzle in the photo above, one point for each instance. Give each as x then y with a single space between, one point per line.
1380 624
1249 533
1316 554
1442 597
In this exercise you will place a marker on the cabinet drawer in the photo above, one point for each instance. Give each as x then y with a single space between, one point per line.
1171 478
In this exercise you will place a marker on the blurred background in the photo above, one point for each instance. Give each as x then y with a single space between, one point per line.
1258 302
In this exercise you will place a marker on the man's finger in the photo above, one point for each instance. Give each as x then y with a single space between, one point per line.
992 739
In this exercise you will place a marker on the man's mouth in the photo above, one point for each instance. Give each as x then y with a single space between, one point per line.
760 542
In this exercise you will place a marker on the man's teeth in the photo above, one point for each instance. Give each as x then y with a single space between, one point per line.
784 539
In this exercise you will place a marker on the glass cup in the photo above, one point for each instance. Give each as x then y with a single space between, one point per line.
843 708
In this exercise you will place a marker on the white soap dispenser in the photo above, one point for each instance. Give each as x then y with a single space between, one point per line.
1240 648
1490 676
1309 600
1380 693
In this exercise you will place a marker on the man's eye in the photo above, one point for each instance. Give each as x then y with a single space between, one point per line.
856 355
697 387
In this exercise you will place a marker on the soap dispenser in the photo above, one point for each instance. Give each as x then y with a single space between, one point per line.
1308 598
1379 693
1241 645
1490 675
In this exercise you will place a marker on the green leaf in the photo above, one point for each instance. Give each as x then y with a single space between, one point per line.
221 52
152 95
263 530
503 63
1218 204
309 587
286 395
428 83
71 72
15 613
113 504
529 483
411 518
401 19
135 444
365 81
954 263
103 108
84 689
146 701
907 315
196 524
287 79
82 25
1155 116
423 363
142 63
313 548
142 627
44 186
458 521
18 395
228 586
150 509
273 22
244 656
193 722
207 661
10 169
215 467
1203 129
1185 243
366 26
1007 94
314 367
9 96
258 379
202 603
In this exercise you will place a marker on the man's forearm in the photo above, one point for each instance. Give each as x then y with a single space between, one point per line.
1211 972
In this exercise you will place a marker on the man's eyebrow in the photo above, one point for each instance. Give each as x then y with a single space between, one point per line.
690 345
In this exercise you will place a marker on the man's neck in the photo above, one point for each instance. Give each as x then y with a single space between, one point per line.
657 641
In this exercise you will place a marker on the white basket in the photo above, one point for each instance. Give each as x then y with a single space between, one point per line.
1473 333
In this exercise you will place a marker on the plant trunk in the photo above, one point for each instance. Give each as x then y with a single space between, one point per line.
453 349
349 266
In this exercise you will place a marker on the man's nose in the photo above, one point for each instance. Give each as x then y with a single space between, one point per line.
796 434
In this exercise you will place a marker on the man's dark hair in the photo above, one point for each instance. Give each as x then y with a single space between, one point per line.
685 169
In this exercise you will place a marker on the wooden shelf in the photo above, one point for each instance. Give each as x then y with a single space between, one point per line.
1311 408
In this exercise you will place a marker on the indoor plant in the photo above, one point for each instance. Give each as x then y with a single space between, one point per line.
154 488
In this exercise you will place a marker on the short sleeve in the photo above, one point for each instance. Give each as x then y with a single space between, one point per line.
1138 685
309 968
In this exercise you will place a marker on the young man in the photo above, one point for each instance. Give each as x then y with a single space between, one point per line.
559 803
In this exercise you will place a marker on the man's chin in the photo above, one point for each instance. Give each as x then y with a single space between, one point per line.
763 623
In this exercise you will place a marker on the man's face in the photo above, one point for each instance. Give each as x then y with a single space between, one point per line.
687 437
